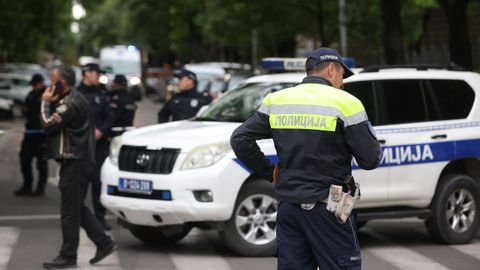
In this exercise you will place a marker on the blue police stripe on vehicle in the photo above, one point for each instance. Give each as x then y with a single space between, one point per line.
427 128
411 154
273 158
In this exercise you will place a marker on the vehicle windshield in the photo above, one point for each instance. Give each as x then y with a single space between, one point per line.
121 67
239 104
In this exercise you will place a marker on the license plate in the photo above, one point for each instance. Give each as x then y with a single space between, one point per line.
135 186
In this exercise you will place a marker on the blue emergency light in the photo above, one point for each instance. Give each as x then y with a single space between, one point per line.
283 64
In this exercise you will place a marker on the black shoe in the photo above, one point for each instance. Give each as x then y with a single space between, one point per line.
39 193
105 225
102 253
60 262
23 192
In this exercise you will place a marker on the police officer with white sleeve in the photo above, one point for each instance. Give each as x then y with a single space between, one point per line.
317 128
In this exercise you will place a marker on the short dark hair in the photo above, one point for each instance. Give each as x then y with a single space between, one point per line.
66 73
321 66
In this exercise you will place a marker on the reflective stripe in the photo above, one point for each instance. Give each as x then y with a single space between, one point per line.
355 119
304 109
312 106
303 121
317 95
317 110
264 109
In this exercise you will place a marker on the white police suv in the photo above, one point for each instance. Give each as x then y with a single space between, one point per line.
162 180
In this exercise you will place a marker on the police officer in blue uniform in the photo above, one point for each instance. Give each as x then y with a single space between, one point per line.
97 97
187 102
33 144
316 129
123 105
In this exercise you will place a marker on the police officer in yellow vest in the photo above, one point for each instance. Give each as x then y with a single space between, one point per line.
317 128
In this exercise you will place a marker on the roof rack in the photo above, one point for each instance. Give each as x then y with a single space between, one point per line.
451 66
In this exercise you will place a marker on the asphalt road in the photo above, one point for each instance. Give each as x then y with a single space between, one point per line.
30 232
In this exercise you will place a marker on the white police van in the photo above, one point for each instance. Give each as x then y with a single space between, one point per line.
162 180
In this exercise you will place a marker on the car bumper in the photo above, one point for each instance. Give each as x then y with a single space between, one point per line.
180 206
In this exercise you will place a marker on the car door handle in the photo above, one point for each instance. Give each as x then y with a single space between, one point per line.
439 136
382 141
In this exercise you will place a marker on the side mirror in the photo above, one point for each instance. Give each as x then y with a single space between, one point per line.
202 110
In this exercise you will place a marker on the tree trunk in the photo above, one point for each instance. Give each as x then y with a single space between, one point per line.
459 41
392 32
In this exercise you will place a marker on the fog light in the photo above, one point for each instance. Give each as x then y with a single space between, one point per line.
110 190
166 196
203 195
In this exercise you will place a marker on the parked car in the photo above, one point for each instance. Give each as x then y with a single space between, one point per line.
6 108
235 73
162 180
14 86
157 81
27 69
211 79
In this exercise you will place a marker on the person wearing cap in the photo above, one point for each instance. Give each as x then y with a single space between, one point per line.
33 143
317 128
123 105
104 116
187 102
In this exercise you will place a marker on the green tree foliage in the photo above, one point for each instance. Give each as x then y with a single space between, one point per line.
203 30
28 26
208 29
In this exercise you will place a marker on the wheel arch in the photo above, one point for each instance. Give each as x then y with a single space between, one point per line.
251 178
468 166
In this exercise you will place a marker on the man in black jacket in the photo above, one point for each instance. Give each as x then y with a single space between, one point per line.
317 129
104 116
68 123
33 144
187 102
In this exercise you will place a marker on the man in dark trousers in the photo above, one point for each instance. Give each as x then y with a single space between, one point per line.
317 129
91 88
123 105
187 102
33 144
68 123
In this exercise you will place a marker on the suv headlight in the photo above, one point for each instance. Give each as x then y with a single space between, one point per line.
115 146
205 155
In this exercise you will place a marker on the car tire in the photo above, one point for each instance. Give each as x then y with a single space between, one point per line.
251 231
455 219
164 235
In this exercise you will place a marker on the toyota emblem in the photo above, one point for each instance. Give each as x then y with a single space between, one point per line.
143 159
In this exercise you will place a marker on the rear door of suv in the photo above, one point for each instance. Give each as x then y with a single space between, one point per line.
424 120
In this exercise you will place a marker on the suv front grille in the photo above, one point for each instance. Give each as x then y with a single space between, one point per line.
140 159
